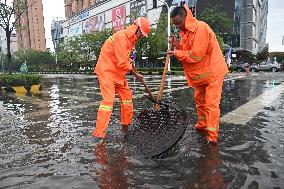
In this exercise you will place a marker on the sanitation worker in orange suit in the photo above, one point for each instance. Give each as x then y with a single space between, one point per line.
113 64
204 67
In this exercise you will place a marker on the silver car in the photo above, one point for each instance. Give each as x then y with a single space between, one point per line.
265 66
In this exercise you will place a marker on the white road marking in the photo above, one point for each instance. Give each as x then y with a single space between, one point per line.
243 114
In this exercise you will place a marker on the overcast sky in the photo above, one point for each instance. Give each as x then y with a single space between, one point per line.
51 9
275 28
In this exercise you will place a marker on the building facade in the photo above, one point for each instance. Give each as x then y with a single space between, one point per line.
31 32
95 15
250 17
250 22
57 32
3 42
263 24
254 24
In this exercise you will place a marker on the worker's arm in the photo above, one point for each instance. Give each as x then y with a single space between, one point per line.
121 52
198 49
136 73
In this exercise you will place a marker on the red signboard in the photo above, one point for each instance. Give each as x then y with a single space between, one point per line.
118 18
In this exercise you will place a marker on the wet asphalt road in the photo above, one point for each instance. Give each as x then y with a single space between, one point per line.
45 138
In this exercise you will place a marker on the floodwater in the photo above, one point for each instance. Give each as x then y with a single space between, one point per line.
45 140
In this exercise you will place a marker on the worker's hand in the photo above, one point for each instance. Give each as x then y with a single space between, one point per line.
174 42
171 53
131 61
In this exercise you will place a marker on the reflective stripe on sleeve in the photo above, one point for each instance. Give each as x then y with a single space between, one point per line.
194 57
200 76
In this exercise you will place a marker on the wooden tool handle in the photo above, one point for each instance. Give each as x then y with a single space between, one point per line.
144 83
147 89
162 84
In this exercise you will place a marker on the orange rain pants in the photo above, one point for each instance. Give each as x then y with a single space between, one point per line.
112 67
207 98
204 68
108 90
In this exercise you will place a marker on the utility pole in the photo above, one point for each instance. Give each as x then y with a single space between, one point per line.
1 55
169 8
195 9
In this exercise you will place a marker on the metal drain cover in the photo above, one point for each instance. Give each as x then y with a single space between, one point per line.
154 132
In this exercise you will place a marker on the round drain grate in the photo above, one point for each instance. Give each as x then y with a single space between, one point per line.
154 132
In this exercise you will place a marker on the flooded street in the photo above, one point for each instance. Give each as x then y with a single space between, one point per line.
45 138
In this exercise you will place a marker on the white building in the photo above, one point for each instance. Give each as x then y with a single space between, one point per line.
253 24
3 42
111 14
57 32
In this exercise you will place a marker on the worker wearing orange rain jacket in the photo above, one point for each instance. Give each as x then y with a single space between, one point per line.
203 65
113 65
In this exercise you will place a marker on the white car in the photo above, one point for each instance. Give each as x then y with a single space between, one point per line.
265 66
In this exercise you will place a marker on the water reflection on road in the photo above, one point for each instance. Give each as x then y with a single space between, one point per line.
45 140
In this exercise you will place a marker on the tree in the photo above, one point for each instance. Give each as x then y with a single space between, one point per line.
36 60
220 41
156 42
219 21
279 57
262 55
9 9
83 50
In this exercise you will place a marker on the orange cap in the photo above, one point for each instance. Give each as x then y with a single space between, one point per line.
144 25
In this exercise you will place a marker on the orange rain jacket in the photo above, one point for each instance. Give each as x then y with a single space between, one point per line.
200 53
114 62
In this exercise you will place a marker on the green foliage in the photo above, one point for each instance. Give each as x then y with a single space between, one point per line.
278 55
220 41
217 19
156 42
12 80
279 58
232 69
36 60
133 15
33 79
83 50
262 55
152 46
19 80
10 13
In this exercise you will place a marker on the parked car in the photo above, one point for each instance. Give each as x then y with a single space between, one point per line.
265 66
240 67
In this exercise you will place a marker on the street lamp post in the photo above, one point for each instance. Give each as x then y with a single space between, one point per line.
169 27
1 55
195 3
